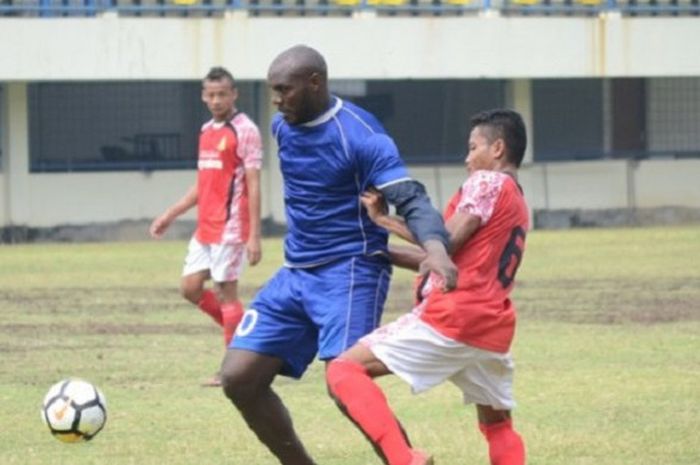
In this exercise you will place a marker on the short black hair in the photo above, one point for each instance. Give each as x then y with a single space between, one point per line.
219 73
507 125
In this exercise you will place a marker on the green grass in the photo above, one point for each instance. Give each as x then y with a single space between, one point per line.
608 371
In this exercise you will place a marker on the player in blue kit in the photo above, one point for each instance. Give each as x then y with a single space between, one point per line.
332 288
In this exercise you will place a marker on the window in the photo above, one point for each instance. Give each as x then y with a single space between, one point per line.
428 119
580 119
673 116
98 126
567 119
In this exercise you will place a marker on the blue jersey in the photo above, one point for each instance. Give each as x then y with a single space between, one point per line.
326 163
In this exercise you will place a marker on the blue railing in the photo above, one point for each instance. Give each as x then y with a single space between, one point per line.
199 8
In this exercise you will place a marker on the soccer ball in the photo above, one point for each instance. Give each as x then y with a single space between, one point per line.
74 410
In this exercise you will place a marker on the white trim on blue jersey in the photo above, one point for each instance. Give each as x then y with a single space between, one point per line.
359 118
391 183
325 117
326 164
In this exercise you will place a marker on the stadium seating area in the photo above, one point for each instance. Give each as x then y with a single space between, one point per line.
212 8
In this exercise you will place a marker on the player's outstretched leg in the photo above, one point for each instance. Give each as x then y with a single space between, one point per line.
506 447
247 379
364 403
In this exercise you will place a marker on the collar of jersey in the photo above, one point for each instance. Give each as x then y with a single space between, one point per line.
325 117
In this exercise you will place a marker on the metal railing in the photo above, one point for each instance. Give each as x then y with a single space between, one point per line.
213 8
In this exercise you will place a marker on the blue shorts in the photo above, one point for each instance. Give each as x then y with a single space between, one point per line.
324 309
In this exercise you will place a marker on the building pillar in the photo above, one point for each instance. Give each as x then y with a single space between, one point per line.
4 135
519 98
271 187
15 154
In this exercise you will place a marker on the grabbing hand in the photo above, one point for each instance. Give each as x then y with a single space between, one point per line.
438 262
374 202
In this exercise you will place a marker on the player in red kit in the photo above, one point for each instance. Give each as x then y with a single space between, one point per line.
227 196
463 336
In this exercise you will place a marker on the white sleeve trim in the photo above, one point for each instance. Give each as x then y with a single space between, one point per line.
395 181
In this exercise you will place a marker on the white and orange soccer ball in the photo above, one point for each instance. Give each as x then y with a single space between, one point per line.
74 410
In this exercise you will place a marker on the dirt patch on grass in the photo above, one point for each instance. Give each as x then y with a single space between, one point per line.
83 329
590 301
133 310
609 301
89 300
125 300
56 314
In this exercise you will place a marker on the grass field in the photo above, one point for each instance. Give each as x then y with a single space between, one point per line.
607 352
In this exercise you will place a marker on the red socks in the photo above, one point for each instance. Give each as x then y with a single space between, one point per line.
361 399
231 314
228 314
209 304
364 403
505 445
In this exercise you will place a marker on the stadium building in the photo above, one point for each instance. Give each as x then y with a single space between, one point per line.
100 99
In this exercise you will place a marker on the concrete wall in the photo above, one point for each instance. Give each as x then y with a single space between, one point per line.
364 47
52 199
98 197
588 185
109 47
660 183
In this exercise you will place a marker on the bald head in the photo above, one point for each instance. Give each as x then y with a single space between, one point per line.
300 61
298 78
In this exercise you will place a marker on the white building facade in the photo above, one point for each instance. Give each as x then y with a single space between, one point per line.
522 56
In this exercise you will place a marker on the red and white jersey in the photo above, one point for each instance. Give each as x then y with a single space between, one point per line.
479 311
226 150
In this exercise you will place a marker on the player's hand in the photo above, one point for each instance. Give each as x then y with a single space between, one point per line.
374 203
439 263
159 226
253 251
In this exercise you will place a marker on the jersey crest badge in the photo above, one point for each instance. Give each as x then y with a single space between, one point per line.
222 145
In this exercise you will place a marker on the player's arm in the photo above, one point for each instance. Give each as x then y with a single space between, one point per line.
378 212
253 248
425 225
404 256
460 227
419 222
478 197
162 222
407 256
249 150
382 167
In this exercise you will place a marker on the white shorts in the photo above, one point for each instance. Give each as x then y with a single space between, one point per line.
225 262
424 358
